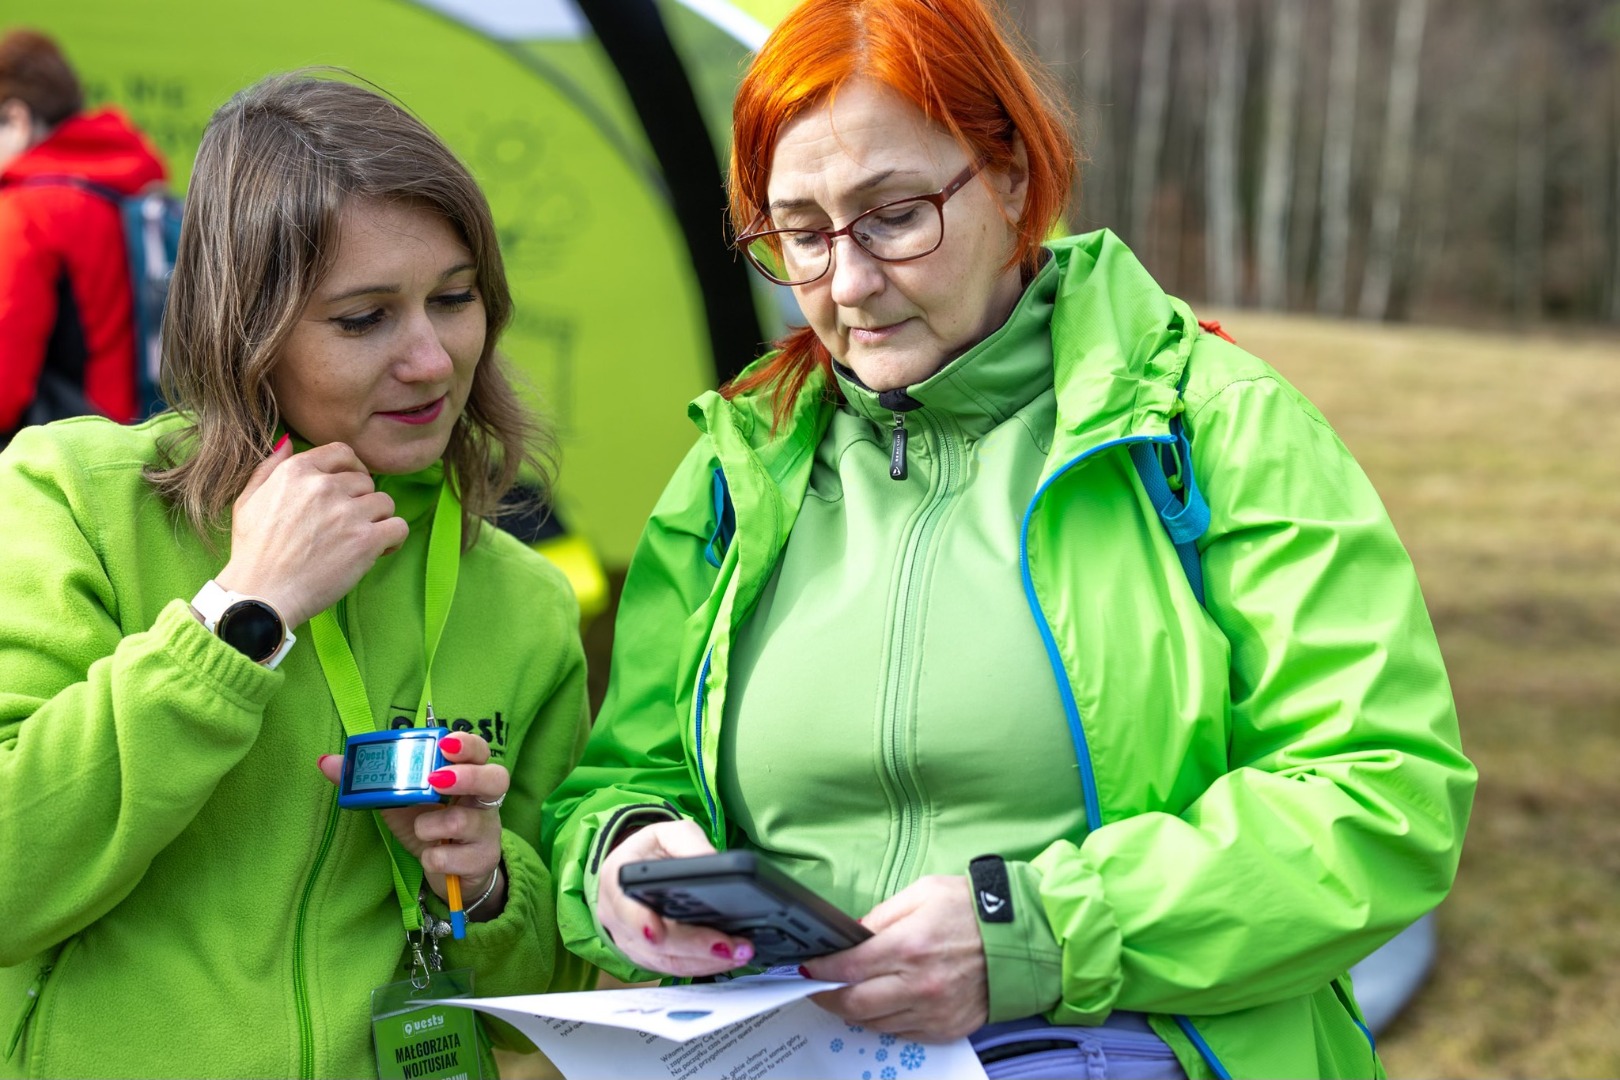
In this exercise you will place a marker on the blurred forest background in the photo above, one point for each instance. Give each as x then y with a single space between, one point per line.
1454 160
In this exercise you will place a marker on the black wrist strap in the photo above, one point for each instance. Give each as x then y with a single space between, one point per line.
992 889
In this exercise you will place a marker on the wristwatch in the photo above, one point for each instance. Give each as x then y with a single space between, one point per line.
249 624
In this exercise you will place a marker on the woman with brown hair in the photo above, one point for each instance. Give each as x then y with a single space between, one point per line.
194 610
922 621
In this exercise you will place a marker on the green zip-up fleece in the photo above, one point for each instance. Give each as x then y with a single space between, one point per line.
1265 787
182 895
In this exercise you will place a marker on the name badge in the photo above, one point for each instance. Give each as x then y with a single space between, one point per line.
426 1042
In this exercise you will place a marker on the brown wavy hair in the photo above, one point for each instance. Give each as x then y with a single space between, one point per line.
956 63
277 165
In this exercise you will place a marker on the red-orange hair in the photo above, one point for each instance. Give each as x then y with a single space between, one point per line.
955 62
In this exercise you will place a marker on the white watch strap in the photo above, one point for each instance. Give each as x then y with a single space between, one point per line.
213 600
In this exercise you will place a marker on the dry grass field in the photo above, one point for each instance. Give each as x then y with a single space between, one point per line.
1497 456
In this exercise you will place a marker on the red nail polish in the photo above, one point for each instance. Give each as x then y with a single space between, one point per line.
805 972
322 759
279 444
646 932
442 778
720 948
450 744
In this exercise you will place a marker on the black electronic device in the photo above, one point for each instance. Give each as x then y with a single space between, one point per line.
739 893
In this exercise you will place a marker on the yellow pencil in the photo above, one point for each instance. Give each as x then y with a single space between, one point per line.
452 888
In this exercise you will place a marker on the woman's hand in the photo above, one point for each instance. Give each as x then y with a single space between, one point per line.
306 528
651 941
921 975
463 838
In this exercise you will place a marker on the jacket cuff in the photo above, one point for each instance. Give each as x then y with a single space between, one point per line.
1083 924
508 952
1022 960
244 683
623 822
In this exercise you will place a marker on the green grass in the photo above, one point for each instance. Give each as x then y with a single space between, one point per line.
1497 457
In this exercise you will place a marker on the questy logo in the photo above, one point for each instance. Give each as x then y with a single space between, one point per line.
427 1023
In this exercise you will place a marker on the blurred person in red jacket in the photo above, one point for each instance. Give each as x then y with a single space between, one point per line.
67 333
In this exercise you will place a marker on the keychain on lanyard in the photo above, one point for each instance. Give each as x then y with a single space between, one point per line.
415 748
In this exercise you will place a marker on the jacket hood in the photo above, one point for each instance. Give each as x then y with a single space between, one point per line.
1119 342
102 147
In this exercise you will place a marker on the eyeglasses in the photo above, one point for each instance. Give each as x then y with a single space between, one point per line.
894 232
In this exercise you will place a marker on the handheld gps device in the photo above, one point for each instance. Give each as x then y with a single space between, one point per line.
739 893
390 768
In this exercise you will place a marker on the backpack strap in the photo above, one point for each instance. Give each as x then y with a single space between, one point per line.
102 191
1166 471
725 519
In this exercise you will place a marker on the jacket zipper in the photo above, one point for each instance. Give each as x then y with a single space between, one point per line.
897 451
898 402
945 481
306 1022
697 739
35 989
1071 710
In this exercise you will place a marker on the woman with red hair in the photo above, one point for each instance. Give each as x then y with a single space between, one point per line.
934 618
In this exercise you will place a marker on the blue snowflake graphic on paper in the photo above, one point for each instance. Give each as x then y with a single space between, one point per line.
881 1055
912 1055
867 1075
888 1073
855 1028
836 1046
888 1040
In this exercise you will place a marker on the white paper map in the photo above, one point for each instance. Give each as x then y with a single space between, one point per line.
743 1029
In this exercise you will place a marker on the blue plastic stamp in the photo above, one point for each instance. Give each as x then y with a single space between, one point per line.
391 768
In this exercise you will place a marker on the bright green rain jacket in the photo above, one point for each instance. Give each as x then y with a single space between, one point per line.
1272 781
182 895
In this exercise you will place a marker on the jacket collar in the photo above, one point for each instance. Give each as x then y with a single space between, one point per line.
415 495
1119 346
985 385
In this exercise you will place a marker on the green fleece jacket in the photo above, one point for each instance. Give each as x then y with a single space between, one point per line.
1271 783
182 895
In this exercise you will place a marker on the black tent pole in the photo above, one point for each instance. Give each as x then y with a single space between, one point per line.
636 41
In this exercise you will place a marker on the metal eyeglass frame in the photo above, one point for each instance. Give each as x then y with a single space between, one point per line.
937 200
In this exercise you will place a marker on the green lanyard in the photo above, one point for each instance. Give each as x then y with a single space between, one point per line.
349 690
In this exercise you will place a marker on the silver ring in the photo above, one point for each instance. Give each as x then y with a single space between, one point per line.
489 804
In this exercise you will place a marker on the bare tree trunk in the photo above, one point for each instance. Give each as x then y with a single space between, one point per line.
1614 235
1395 167
1282 85
1337 147
1529 217
1051 26
1097 83
1222 244
1303 227
1152 100
1614 295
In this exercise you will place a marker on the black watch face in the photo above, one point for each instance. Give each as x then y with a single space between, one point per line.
252 627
